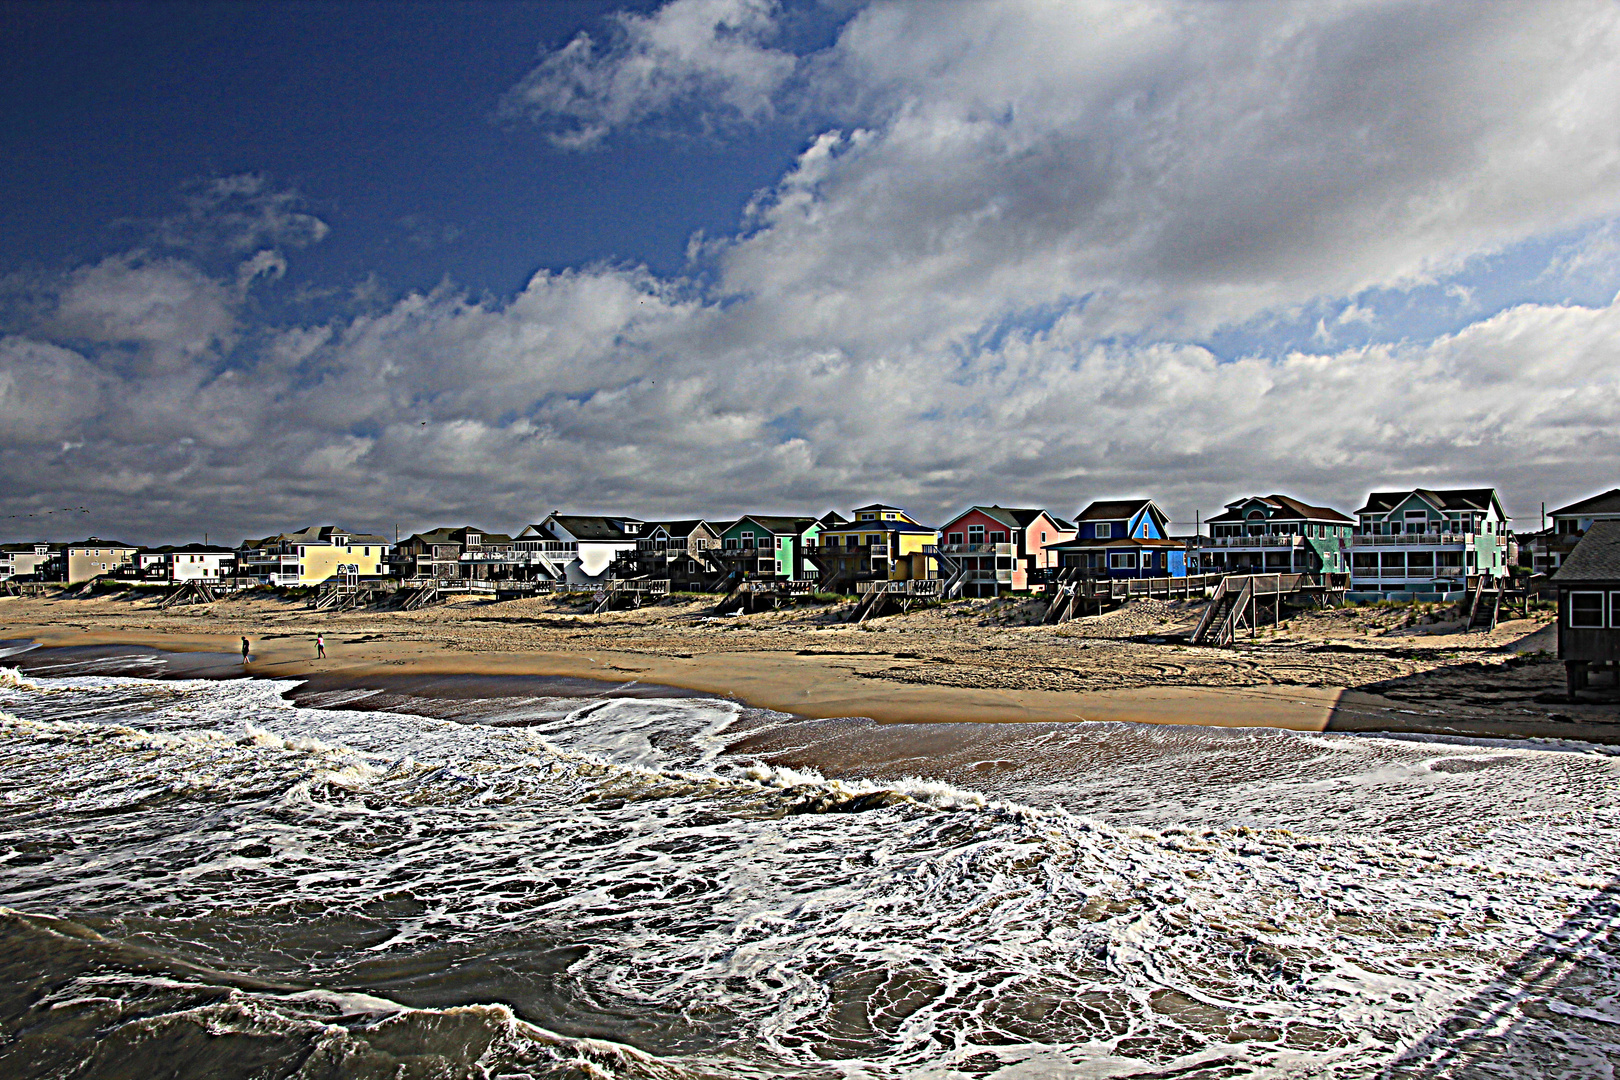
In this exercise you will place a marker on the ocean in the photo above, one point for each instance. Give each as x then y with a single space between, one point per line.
207 877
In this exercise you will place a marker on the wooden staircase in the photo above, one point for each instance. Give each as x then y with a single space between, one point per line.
1227 610
189 592
1484 608
421 597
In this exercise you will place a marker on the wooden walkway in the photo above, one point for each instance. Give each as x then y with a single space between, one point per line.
1239 602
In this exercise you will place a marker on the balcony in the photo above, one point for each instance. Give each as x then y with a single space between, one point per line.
1003 577
1273 540
976 549
1413 539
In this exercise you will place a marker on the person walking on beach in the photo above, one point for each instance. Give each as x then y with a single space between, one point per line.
244 652
320 646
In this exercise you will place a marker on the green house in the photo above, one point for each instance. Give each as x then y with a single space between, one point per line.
1424 543
766 546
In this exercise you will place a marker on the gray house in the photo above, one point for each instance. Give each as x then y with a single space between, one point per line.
1589 608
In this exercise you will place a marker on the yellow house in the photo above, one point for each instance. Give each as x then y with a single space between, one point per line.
883 543
312 555
94 557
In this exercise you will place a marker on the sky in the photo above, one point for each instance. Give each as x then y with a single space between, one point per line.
387 265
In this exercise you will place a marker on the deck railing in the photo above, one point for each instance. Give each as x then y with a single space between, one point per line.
1411 539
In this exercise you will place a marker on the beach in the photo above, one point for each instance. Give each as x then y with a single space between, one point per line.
1348 669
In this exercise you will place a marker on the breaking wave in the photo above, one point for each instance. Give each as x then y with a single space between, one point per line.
207 875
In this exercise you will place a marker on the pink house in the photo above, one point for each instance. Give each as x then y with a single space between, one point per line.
1002 548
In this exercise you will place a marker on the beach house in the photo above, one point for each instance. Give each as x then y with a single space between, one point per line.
173 565
578 548
313 555
96 557
37 561
465 552
1426 544
881 543
1274 534
1588 585
764 546
681 551
1002 548
1123 538
1567 525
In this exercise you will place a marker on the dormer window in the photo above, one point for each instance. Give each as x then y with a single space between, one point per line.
1105 530
868 517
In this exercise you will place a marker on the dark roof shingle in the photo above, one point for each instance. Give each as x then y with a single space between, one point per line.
1596 557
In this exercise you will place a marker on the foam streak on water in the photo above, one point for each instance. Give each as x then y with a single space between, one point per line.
204 873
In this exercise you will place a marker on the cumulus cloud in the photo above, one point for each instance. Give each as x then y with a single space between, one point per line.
996 278
710 55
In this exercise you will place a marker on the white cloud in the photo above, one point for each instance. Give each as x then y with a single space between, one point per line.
237 214
993 281
706 54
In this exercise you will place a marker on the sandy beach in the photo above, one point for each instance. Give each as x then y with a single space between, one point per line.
1351 669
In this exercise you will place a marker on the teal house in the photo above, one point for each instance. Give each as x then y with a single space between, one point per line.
1421 544
766 546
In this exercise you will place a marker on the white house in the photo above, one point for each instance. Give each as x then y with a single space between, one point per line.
578 548
192 562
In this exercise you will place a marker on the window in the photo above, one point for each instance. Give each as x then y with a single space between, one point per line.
1614 610
1122 560
1043 538
1104 530
953 538
1586 610
998 538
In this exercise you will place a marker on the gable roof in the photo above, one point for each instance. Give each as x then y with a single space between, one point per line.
1606 503
1382 502
880 525
1284 507
98 542
1112 510
1014 517
779 525
677 528
1596 557
595 527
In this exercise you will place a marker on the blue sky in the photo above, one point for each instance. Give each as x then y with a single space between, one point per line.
264 265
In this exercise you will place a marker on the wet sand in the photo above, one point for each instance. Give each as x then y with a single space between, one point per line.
976 661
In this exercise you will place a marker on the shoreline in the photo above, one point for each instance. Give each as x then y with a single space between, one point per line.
807 684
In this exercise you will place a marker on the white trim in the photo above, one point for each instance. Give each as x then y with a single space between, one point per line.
1601 621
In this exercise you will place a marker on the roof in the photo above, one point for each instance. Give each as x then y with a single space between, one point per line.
1595 558
779 525
1014 517
893 525
1112 509
192 549
676 528
443 536
1382 502
592 527
1606 503
28 545
98 542
1285 507
879 506
830 519
1120 541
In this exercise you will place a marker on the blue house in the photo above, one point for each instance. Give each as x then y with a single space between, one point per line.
1123 538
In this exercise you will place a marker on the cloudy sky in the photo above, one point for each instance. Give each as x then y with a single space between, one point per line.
270 266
